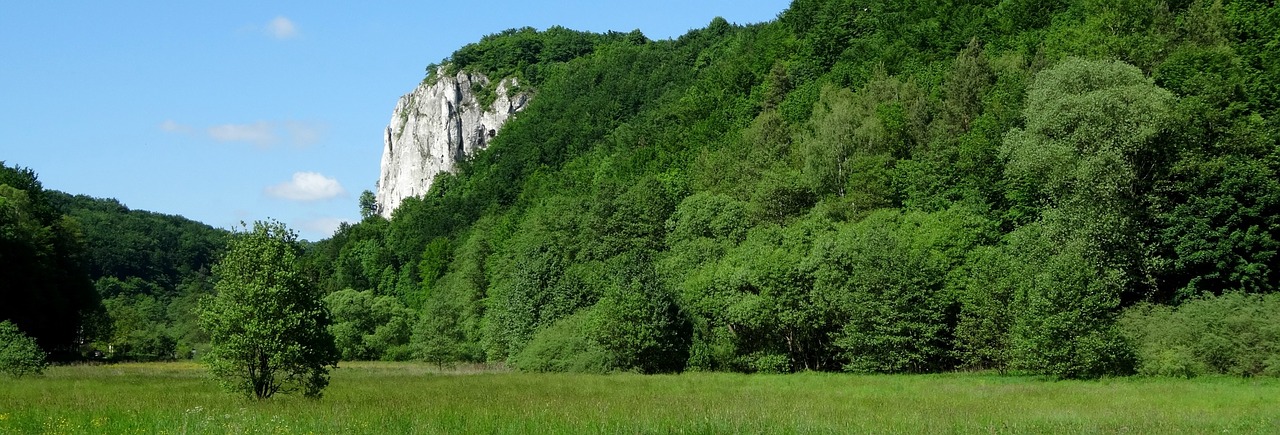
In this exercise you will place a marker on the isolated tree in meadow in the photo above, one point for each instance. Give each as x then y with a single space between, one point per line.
19 354
268 330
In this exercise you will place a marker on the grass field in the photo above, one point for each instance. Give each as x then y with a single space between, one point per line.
415 398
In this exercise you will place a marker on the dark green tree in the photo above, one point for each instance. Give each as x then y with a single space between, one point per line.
887 277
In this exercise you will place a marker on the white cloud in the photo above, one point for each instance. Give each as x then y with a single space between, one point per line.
307 186
172 126
282 28
260 133
325 227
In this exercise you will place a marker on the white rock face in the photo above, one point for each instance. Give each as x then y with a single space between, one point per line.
434 127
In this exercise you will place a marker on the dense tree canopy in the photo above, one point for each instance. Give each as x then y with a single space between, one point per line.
44 289
860 185
149 269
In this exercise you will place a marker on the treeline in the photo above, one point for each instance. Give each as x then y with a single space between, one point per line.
1048 187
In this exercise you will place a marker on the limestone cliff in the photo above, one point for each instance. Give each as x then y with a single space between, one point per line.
434 127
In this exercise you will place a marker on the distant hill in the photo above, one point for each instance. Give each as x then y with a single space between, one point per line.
89 277
149 269
124 243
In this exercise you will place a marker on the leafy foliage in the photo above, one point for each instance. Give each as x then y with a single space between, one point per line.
1233 334
267 327
368 327
149 269
869 186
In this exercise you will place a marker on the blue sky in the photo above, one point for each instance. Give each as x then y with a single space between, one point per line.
242 110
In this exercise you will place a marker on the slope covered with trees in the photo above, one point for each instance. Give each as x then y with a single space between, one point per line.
87 276
150 270
44 290
858 185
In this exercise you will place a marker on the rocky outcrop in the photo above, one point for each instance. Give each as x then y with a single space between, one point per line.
434 127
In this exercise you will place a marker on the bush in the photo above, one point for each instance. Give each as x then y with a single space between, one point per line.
369 327
565 346
640 328
19 354
768 363
1233 334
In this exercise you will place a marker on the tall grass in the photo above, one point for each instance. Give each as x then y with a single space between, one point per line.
415 398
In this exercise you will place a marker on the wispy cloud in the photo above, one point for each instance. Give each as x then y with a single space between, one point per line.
262 134
304 133
259 133
172 126
282 28
307 186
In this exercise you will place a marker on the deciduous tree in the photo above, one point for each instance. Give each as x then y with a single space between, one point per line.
267 328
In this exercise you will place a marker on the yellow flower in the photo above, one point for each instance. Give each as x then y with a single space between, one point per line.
4 417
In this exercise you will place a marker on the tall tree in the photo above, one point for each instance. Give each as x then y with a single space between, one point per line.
1082 158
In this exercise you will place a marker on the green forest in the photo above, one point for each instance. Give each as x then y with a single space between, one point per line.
1071 188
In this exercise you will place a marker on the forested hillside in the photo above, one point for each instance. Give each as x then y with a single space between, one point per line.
44 289
870 186
90 278
150 270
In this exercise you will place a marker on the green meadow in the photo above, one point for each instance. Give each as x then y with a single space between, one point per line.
416 398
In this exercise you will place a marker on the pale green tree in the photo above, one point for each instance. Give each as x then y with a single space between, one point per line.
1091 128
369 327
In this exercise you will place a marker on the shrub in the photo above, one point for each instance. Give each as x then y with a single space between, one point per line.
640 328
769 363
1233 334
565 346
19 354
